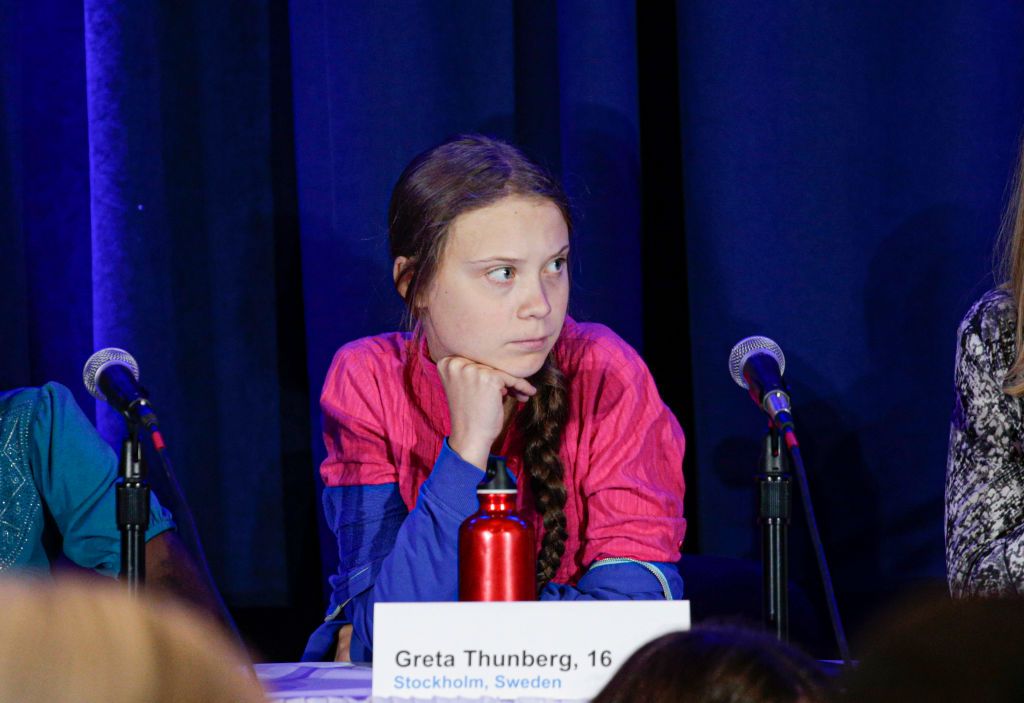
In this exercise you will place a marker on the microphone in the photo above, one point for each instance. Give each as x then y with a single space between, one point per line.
112 375
757 364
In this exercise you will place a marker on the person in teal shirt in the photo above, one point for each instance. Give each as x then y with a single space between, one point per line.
53 462
57 494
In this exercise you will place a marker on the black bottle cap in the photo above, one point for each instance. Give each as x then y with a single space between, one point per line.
498 479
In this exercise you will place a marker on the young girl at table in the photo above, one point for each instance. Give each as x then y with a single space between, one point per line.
479 236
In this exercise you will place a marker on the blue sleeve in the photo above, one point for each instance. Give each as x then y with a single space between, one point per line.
75 471
387 555
611 579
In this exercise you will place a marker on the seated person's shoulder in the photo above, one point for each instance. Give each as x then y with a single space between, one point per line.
366 368
593 348
19 397
36 398
373 353
991 315
55 428
988 331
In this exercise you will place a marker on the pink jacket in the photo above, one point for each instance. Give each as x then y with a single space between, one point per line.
386 415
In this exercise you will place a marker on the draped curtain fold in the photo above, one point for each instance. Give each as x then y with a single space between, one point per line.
145 217
845 170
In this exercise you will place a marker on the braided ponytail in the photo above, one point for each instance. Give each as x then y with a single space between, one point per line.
541 423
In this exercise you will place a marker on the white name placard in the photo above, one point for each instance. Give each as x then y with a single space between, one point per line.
565 650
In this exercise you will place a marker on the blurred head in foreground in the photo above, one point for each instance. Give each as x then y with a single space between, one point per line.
89 640
937 649
717 664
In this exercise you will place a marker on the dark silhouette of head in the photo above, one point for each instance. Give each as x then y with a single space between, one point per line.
717 664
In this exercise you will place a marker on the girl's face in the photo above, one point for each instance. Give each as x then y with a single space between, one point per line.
501 288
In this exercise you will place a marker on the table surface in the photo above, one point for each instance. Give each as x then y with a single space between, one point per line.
335 683
309 682
315 681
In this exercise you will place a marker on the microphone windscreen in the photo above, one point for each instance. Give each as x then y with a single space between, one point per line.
101 360
747 347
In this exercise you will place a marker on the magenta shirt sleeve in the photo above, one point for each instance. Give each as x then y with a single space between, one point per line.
630 472
354 421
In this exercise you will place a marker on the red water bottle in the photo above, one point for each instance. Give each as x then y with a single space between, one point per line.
496 547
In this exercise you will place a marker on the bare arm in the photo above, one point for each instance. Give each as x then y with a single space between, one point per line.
171 570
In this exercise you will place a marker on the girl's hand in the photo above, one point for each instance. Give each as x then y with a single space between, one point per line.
344 649
476 395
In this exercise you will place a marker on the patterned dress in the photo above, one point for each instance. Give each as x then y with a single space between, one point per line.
985 469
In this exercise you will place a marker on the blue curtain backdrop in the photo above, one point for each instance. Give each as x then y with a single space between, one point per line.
845 167
205 185
148 203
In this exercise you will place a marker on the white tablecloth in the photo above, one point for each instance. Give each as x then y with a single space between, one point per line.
338 683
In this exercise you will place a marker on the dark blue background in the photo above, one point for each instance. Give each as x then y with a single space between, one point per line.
205 184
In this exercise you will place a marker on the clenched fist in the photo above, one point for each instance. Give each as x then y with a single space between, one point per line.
476 402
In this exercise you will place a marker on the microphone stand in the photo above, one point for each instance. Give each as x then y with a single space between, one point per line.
132 510
774 510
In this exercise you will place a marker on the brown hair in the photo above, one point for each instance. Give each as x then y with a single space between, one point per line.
1011 269
466 173
88 640
928 647
717 664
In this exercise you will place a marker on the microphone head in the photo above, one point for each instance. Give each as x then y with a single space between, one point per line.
746 348
102 360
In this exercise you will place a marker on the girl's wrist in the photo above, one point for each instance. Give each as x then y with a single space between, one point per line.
475 453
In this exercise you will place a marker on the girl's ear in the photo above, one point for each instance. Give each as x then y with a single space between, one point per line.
402 273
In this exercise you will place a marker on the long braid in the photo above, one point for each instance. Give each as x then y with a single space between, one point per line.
541 423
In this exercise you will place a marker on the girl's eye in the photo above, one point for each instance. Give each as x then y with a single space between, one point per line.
558 265
502 274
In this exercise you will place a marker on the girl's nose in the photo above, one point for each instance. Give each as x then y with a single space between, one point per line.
535 301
